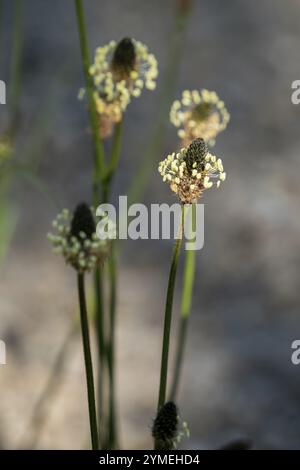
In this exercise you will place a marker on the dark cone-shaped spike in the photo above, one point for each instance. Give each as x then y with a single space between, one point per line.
124 56
201 112
164 430
196 154
83 221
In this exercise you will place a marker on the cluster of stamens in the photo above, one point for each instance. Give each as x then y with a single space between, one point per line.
76 239
192 170
199 114
120 71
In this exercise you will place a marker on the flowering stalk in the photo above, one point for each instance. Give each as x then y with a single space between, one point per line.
186 300
168 318
98 173
120 71
76 240
188 173
110 171
88 361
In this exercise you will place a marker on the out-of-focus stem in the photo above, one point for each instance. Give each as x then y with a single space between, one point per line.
168 318
166 96
111 168
99 162
16 65
186 300
115 152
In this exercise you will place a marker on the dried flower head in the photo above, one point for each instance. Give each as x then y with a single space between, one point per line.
120 71
76 239
165 427
199 114
192 170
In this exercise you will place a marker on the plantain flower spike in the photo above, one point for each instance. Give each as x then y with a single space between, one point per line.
192 170
199 114
76 239
165 427
120 71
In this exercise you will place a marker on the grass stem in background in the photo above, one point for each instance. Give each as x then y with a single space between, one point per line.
16 65
88 361
112 428
168 318
187 291
115 153
99 161
166 96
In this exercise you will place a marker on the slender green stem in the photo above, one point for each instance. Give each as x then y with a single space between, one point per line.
168 318
99 163
111 168
100 328
187 291
112 429
115 152
16 65
88 362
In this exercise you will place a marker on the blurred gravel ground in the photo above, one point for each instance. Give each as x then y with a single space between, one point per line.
238 377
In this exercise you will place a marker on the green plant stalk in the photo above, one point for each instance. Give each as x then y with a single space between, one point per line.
166 96
115 155
112 423
88 362
99 162
16 65
98 177
100 328
168 318
111 169
186 301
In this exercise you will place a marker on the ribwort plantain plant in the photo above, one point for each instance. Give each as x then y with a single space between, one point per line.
188 172
77 242
120 71
199 114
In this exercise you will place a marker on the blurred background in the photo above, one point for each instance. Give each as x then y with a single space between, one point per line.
238 379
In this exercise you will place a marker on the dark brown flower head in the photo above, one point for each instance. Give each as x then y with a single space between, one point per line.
75 238
195 155
83 222
165 427
192 170
124 58
201 112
